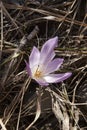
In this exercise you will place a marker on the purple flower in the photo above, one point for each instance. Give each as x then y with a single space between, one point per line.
42 64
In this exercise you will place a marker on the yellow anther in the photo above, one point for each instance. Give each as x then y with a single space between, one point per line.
38 74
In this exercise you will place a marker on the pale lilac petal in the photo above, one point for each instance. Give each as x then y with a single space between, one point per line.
28 69
34 57
44 66
55 78
53 65
42 82
47 50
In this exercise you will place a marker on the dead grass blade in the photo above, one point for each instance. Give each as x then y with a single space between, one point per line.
38 111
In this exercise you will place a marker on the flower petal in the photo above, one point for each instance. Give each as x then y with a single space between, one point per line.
55 78
34 57
42 82
44 66
53 65
47 50
28 69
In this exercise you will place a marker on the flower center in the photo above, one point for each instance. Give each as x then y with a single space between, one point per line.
38 74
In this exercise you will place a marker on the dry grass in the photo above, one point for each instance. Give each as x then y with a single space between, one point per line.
23 104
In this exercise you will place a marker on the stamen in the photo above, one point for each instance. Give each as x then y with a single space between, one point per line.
38 73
